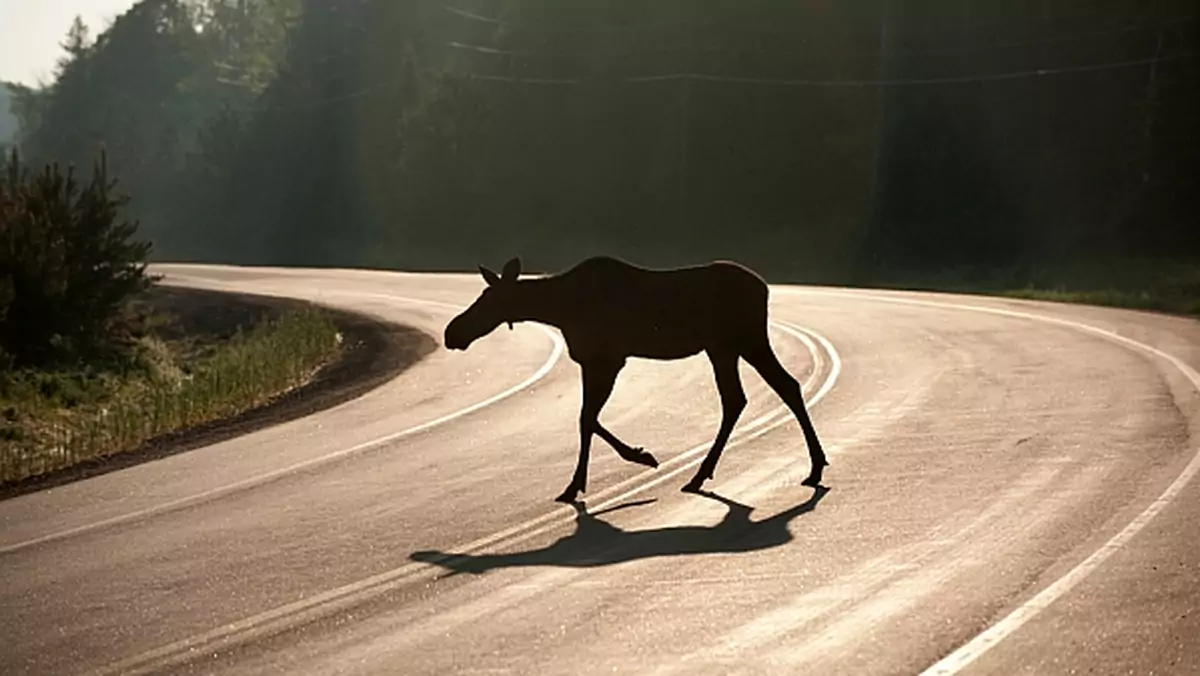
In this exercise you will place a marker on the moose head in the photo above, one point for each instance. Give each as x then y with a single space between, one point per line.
496 305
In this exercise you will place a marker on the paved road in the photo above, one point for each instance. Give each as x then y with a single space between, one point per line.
1009 493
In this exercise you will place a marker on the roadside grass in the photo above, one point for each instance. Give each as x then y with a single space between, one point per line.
1143 300
169 381
1164 286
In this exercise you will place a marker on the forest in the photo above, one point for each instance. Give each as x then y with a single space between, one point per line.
860 142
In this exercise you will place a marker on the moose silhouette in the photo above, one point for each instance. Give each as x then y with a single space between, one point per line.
609 310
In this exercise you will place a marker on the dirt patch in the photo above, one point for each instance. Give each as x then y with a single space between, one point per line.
373 352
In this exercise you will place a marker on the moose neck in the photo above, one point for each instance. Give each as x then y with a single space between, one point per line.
541 300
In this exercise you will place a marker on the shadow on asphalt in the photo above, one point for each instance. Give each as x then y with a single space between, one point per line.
598 543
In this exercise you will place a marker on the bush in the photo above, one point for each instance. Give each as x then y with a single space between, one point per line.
67 265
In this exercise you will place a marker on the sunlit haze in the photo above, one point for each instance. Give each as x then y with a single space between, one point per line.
435 336
31 33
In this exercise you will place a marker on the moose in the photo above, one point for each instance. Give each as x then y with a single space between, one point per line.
609 310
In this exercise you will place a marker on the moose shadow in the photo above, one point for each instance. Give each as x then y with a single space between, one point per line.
598 543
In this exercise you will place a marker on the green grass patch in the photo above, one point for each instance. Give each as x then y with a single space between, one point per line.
1143 300
1163 286
172 381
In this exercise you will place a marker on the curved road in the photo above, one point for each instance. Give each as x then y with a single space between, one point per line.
1010 492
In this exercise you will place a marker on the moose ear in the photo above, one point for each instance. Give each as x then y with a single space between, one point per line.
488 276
511 270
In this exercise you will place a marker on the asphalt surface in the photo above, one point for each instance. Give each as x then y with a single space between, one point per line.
1010 492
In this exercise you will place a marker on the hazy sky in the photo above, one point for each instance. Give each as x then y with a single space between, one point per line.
31 30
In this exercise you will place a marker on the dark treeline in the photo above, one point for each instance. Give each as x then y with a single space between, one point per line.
817 141
8 122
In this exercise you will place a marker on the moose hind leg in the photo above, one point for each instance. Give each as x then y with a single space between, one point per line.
733 402
598 379
763 359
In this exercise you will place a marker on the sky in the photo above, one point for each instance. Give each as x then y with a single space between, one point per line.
31 30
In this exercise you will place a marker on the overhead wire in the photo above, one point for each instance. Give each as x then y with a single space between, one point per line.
546 27
1012 75
976 48
778 82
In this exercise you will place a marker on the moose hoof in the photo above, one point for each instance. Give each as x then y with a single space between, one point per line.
568 496
641 457
813 480
693 486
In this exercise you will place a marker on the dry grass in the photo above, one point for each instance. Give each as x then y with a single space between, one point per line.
173 380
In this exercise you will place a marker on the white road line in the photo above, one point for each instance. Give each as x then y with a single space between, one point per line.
973 649
349 595
273 475
878 582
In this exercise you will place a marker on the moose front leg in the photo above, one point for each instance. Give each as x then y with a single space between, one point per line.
733 402
632 454
598 379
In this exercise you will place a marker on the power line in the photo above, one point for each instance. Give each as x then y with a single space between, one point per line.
484 49
387 84
965 79
479 17
1014 75
746 80
1076 37
740 21
525 80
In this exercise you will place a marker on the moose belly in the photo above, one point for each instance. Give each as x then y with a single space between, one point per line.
669 342
647 342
